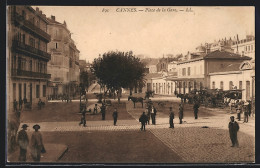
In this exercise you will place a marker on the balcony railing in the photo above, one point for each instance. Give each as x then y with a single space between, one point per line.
26 48
20 19
22 73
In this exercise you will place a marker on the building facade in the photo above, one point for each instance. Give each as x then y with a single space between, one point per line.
243 78
194 73
245 46
64 63
27 55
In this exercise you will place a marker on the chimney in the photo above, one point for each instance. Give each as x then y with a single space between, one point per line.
41 12
37 9
53 17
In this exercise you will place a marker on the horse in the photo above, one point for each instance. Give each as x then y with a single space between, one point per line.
136 99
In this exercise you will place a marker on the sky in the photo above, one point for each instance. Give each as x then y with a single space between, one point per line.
151 31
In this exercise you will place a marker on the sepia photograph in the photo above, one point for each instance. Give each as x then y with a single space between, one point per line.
130 84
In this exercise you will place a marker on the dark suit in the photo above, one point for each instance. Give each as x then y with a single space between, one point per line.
115 115
143 119
23 142
233 129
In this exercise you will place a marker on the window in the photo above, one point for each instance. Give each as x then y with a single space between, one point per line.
24 90
14 91
23 38
213 85
39 44
44 90
32 42
56 45
20 91
230 85
183 71
188 71
251 47
222 85
30 65
240 85
245 48
37 91
247 90
23 14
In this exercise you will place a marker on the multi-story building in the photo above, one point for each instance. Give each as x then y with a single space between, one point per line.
240 77
245 46
64 64
194 73
27 55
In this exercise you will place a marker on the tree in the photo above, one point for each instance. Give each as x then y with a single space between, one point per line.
84 79
116 70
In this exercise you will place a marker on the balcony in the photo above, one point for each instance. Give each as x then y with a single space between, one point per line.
30 74
17 45
27 24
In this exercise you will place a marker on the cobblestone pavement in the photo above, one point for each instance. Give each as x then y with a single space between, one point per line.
192 143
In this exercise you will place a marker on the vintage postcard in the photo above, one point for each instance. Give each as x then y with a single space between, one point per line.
130 84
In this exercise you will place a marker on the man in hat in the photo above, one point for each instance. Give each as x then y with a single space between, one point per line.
115 115
196 109
95 109
103 111
180 112
23 142
36 144
83 117
143 120
233 129
148 113
171 117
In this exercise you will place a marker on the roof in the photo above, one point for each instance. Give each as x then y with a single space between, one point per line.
225 55
153 75
218 55
53 21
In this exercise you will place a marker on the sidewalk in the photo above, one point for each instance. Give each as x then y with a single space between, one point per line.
53 153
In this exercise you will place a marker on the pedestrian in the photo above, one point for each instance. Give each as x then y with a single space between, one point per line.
95 109
20 103
83 117
180 112
15 105
171 117
246 112
39 104
143 120
239 110
103 111
153 114
115 115
36 144
23 142
148 113
196 109
233 129
249 108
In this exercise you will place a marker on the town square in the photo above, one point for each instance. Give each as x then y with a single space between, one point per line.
130 85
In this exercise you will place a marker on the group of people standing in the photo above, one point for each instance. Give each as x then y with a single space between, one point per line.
243 107
103 114
36 146
151 113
